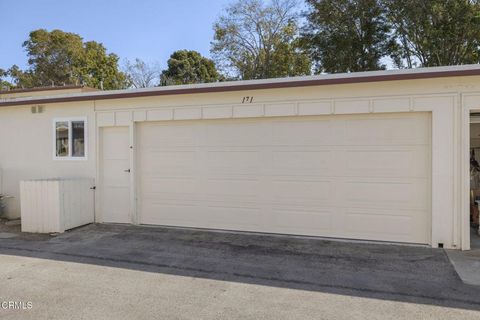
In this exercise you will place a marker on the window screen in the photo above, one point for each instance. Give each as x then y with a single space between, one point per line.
61 138
78 138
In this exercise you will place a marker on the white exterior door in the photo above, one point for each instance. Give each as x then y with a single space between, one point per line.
115 175
360 177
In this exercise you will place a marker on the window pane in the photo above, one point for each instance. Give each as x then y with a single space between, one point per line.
78 138
61 138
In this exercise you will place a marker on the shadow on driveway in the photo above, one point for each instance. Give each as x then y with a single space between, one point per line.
389 272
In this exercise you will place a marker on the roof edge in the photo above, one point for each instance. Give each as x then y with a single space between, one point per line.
38 89
362 77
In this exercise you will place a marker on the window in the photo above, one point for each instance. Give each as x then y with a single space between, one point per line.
70 139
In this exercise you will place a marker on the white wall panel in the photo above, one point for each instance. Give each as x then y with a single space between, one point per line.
246 111
187 114
352 106
280 109
105 119
159 114
315 108
217 112
140 115
391 105
123 118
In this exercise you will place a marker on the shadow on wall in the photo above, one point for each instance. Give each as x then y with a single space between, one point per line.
388 272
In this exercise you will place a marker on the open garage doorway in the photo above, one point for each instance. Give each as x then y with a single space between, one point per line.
474 180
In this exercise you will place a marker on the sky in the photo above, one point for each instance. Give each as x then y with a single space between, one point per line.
147 29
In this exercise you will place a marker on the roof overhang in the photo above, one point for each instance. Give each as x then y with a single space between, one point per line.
42 89
292 82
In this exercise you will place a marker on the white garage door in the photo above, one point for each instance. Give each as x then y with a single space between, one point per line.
361 177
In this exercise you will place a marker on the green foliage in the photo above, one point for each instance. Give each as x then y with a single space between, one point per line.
346 35
254 40
58 58
435 32
96 66
4 84
357 35
187 67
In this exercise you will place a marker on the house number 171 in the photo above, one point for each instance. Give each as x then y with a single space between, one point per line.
247 100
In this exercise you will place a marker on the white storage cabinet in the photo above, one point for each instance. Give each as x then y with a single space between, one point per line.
56 205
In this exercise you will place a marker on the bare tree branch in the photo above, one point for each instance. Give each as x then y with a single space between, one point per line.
142 74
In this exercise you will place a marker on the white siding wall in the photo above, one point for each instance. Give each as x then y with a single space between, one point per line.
26 147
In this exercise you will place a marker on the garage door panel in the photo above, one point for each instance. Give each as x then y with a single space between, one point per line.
403 194
368 224
181 186
291 221
310 162
317 133
234 133
222 217
216 217
221 162
355 176
159 158
170 172
387 162
175 213
301 192
166 134
149 204
243 189
397 225
175 199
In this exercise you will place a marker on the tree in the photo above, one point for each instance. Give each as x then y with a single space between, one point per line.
141 74
435 32
187 67
4 84
347 35
98 69
257 40
58 58
22 79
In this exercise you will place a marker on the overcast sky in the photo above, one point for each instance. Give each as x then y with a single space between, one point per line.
148 29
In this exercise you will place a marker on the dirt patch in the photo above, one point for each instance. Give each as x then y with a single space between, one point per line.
5 226
14 230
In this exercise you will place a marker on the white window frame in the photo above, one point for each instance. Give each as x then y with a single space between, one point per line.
70 141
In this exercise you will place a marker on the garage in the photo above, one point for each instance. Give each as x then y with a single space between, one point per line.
365 176
380 156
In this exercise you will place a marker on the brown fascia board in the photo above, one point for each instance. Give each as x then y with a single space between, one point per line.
13 91
250 86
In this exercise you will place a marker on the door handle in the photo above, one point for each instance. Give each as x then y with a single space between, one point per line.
128 170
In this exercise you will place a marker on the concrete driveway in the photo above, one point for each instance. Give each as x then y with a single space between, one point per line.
126 272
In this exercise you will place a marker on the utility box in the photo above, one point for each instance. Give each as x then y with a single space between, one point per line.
56 205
